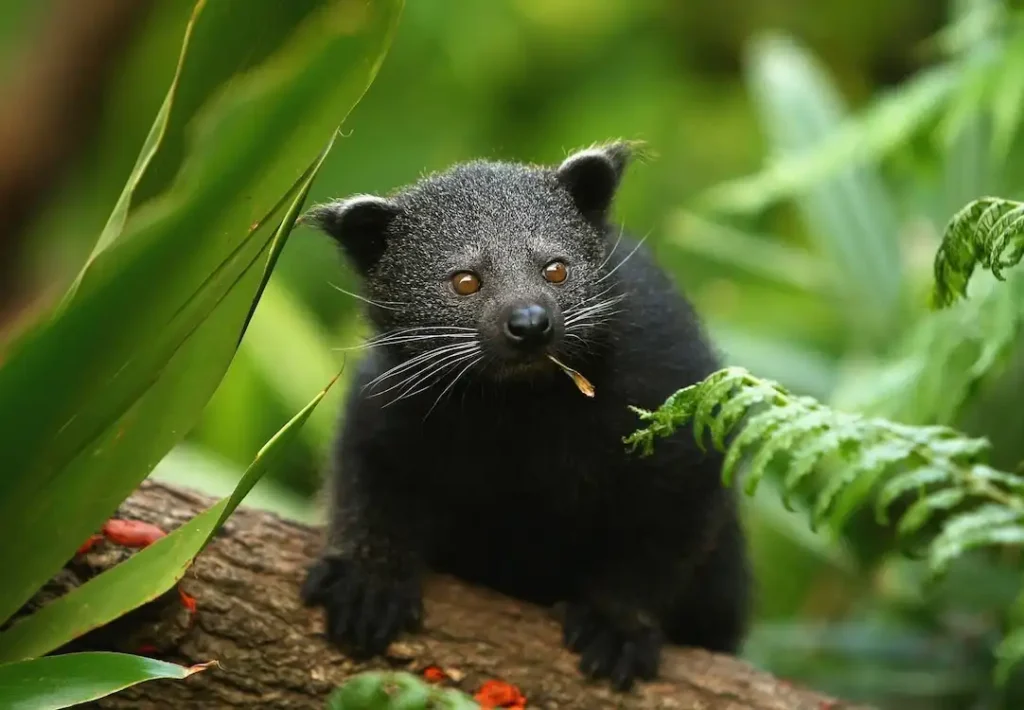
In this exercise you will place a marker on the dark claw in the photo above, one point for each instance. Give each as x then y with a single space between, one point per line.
607 650
365 612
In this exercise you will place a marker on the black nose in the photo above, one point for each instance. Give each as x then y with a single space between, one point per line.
529 325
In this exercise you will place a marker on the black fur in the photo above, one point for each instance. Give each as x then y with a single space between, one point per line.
499 470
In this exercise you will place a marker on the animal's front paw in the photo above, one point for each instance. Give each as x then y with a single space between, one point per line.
365 611
609 649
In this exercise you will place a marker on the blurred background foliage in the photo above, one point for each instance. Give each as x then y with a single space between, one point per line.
808 155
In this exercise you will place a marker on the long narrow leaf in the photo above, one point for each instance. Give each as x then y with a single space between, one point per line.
83 493
115 223
75 678
761 256
147 574
859 139
126 368
849 213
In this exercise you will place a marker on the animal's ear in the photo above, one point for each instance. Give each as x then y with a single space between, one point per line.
592 176
359 224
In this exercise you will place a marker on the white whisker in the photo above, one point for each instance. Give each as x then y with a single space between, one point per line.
576 306
445 330
399 340
452 384
598 309
412 362
429 379
422 363
434 370
386 305
614 247
630 254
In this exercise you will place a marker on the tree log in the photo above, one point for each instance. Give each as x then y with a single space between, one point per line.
271 653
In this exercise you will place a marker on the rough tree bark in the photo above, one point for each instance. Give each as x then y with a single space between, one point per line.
271 654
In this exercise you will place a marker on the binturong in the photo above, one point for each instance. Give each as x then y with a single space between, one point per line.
464 449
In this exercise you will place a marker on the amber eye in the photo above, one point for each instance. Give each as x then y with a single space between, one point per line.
465 283
555 272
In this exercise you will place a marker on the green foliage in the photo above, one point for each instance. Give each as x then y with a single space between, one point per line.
75 678
989 233
101 388
855 215
937 368
940 364
940 138
396 691
147 574
772 270
158 313
951 489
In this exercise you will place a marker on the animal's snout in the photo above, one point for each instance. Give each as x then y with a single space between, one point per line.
529 325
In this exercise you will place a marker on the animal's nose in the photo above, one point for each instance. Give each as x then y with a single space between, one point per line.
529 325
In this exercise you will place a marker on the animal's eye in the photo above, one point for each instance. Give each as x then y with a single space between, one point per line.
465 283
555 272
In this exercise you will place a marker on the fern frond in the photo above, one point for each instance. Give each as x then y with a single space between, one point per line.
978 506
988 232
917 480
964 503
989 525
920 513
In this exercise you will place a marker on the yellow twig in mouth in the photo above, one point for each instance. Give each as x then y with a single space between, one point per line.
581 382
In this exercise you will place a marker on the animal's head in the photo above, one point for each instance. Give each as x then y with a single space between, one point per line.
495 264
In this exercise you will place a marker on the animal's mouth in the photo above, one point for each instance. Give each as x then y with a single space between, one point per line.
523 364
542 363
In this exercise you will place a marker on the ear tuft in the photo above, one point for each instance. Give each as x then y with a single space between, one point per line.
592 175
358 224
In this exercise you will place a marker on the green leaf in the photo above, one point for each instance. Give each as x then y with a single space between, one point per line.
1008 99
886 125
762 256
365 690
756 430
945 360
75 678
1009 653
1013 481
375 690
849 212
872 460
778 358
189 465
870 449
283 330
157 316
713 394
905 482
785 440
988 232
988 526
115 223
967 132
733 410
145 575
923 509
